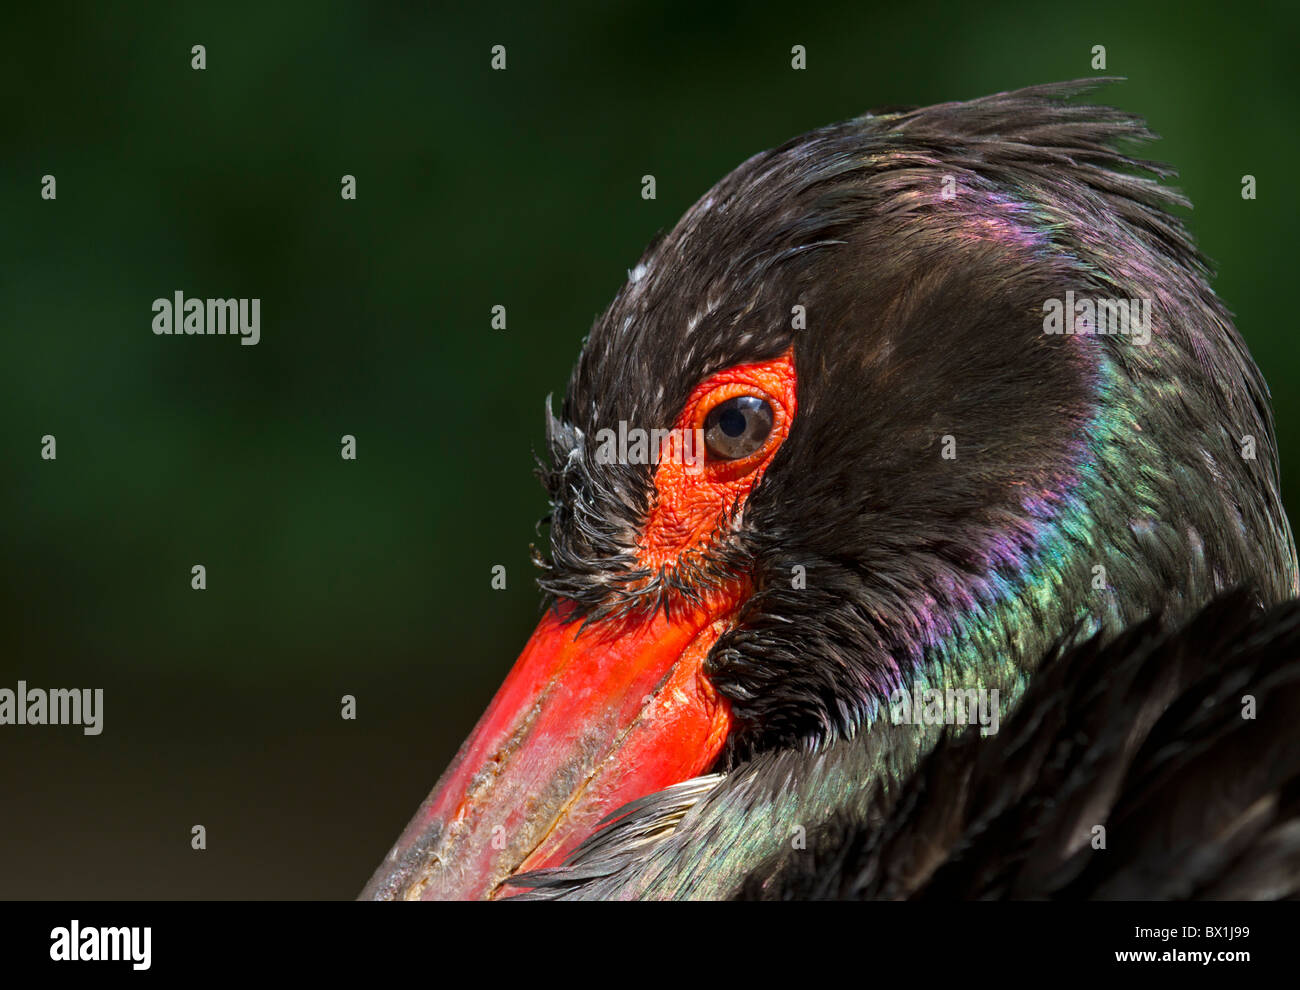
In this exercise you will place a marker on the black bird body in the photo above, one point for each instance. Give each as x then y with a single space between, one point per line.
965 497
1131 774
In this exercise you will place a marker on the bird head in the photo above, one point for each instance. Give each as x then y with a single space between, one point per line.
826 443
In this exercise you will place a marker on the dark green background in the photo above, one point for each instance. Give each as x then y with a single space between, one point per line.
475 188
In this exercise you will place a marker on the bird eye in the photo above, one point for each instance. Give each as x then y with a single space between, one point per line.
737 427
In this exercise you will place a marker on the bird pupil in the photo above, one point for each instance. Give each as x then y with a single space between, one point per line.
737 427
732 422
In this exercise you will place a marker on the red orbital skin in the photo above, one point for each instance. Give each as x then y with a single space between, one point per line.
690 499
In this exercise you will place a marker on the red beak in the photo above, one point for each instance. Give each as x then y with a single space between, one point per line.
594 716
588 720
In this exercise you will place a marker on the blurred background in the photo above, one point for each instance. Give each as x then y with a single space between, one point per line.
474 188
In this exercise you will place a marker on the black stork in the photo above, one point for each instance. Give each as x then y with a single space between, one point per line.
936 404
